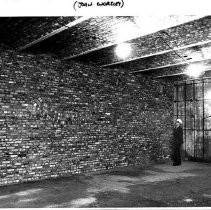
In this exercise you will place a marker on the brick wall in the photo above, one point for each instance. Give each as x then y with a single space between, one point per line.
93 33
20 31
58 118
182 35
171 58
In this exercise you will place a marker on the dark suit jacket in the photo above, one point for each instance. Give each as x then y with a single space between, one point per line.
178 136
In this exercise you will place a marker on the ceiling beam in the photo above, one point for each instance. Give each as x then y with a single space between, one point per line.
179 74
202 78
138 36
171 65
176 70
170 75
159 53
89 51
69 25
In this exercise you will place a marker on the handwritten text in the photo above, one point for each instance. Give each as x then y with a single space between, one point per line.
84 4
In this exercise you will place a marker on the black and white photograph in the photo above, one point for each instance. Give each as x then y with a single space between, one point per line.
105 111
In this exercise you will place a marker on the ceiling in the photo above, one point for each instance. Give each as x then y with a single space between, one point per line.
162 47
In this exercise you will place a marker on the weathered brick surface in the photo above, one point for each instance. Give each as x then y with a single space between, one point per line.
97 32
179 69
93 33
58 118
19 31
182 35
188 55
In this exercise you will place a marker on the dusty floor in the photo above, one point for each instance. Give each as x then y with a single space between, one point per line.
160 185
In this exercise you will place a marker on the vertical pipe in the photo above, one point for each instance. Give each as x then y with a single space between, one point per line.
185 117
203 116
177 99
194 123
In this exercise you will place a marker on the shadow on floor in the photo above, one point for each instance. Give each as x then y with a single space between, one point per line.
159 185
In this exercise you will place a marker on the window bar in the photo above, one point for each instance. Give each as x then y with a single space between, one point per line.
203 117
176 89
185 116
194 125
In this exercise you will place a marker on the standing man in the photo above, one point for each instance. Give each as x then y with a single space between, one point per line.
177 143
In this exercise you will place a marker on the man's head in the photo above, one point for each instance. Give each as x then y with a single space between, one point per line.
178 122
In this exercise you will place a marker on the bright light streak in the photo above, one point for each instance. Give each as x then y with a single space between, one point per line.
195 70
123 50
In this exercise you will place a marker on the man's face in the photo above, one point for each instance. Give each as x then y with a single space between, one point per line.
177 124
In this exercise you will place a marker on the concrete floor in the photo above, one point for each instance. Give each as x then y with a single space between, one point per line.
160 185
